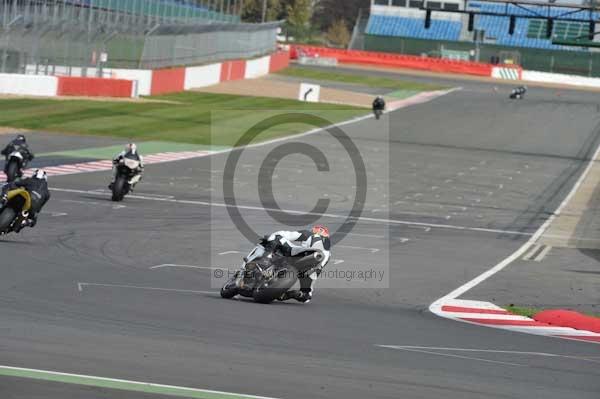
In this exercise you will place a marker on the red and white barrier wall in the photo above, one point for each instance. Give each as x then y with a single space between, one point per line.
28 85
136 82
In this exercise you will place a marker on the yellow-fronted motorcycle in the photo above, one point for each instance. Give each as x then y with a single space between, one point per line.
15 211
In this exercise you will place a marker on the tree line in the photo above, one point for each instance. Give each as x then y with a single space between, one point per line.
332 20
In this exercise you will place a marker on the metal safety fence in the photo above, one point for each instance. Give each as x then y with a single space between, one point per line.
37 35
584 63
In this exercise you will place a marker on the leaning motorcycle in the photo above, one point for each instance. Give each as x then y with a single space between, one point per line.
15 211
267 274
15 163
128 175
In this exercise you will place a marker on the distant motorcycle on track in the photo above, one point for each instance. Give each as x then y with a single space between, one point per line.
518 93
128 174
267 274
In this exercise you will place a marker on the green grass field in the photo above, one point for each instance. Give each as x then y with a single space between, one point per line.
197 118
371 81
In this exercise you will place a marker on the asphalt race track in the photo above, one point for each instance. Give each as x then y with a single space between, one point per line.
453 187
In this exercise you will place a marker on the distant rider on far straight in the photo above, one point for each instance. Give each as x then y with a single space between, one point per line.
378 106
17 144
37 186
129 152
294 243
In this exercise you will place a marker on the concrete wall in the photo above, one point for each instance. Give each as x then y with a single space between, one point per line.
28 84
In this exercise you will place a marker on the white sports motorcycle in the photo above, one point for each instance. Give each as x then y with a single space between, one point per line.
128 175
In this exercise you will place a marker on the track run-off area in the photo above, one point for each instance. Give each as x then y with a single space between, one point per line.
121 300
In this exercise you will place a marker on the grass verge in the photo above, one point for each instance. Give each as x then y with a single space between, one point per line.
197 118
350 78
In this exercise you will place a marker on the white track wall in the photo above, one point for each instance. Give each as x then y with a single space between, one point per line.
143 77
546 77
28 85
258 67
36 83
202 76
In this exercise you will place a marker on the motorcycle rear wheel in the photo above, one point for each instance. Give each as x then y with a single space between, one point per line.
275 288
7 216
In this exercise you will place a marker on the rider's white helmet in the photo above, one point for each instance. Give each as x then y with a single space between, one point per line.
40 174
131 147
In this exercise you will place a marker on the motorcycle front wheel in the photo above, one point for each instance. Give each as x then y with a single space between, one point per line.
118 190
230 289
12 171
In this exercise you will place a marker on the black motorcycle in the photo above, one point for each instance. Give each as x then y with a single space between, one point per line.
128 175
518 93
267 274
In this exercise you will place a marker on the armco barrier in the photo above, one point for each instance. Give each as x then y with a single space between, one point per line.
233 70
168 80
396 60
94 87
279 60
30 85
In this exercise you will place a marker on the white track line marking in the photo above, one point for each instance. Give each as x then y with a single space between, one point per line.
229 252
543 254
436 307
372 250
530 254
81 285
184 266
525 353
484 276
451 355
326 215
